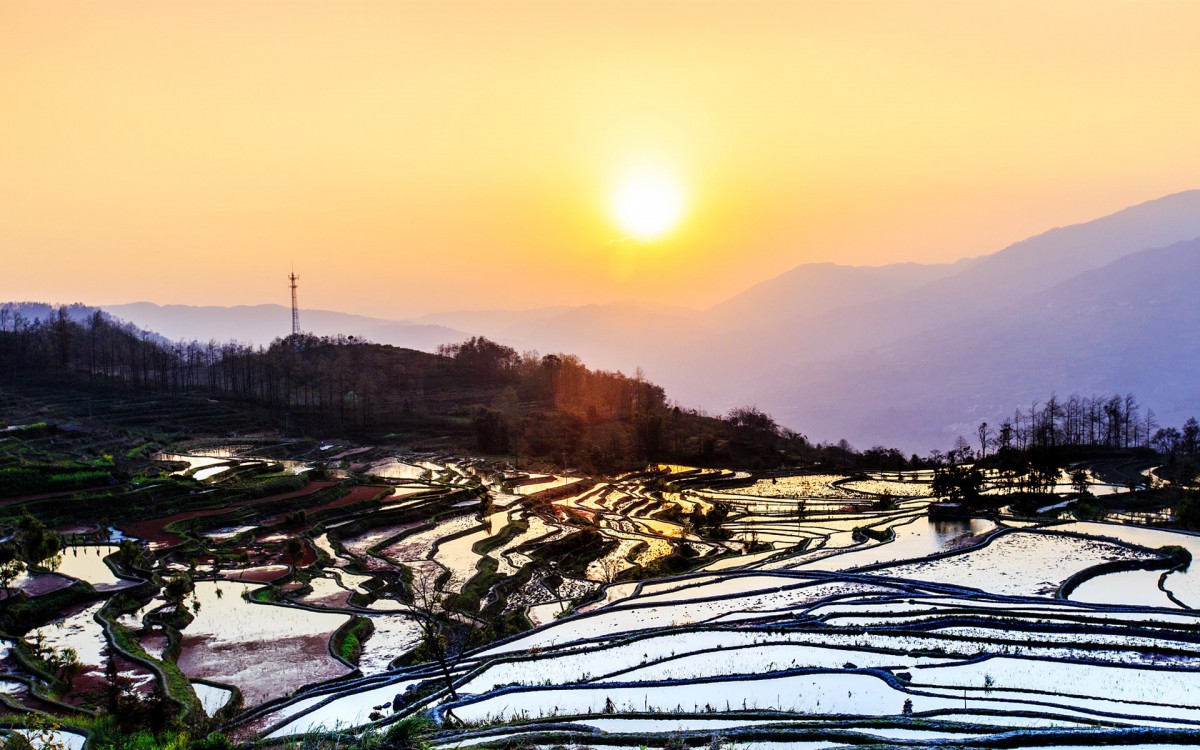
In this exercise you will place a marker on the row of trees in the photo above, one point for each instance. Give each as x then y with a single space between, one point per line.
1026 453
1094 421
523 404
342 379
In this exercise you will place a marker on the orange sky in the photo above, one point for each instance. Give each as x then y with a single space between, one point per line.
411 157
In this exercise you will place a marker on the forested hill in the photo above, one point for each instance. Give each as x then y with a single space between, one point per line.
476 395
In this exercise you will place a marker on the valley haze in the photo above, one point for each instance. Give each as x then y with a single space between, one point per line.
906 354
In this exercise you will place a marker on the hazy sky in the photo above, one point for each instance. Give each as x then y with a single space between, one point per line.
410 157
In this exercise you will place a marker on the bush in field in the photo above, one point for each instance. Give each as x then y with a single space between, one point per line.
1080 483
492 434
1187 512
133 556
959 484
41 735
293 550
36 542
177 588
1179 555
1086 511
407 734
214 741
11 566
16 742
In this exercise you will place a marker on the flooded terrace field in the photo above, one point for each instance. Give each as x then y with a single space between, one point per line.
631 608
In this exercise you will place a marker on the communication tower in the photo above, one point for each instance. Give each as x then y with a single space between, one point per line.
292 277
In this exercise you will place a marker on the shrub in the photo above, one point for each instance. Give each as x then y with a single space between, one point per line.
214 741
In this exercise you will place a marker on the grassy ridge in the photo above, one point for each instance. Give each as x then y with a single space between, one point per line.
348 640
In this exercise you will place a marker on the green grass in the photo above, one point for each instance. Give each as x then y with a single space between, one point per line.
53 478
474 590
510 531
349 639
267 594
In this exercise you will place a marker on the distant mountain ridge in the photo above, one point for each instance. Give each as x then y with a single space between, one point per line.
1130 326
262 324
905 354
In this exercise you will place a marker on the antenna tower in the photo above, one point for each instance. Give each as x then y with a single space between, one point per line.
292 277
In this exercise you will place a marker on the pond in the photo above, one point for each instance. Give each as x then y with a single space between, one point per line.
1134 588
265 650
86 562
1018 563
345 711
212 698
918 538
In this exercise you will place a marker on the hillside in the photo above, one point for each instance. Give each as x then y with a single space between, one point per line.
914 356
908 354
474 396
1130 326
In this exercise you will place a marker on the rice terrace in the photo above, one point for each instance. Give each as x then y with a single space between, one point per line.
292 592
599 375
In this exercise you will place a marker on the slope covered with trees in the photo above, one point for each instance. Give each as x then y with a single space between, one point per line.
477 395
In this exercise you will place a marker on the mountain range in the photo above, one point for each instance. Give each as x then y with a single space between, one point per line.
909 354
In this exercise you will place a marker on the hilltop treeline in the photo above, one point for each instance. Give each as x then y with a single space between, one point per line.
1028 451
1113 421
479 394
485 396
1059 430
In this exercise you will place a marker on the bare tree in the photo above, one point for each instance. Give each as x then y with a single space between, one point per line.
437 625
610 566
984 433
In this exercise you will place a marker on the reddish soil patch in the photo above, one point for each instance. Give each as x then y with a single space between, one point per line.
40 496
360 494
335 599
278 555
263 574
152 529
262 669
155 643
560 511
375 566
91 684
308 556
43 583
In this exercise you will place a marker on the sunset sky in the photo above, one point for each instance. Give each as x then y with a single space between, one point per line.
413 157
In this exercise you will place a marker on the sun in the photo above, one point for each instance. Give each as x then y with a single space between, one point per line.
647 205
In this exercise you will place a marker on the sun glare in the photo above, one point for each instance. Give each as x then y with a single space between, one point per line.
647 205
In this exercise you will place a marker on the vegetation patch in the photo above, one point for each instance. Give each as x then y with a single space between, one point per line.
348 640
